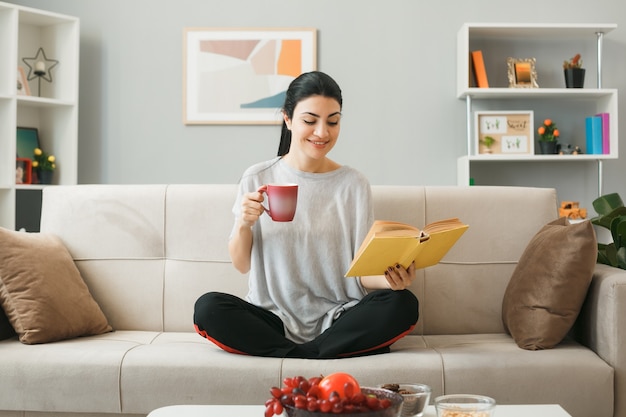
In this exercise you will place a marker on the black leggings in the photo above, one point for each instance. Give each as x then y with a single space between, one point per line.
370 327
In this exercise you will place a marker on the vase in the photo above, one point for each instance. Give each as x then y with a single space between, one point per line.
548 148
574 77
45 177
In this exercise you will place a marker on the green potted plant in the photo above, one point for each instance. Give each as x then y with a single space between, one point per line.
44 165
611 216
548 137
574 72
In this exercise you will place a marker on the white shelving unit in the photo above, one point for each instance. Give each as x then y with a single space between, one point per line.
53 110
550 44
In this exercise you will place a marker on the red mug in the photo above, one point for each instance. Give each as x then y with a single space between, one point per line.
282 200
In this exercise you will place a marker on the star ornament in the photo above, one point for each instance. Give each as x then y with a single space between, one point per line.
40 66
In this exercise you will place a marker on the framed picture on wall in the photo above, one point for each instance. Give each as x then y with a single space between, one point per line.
504 133
240 76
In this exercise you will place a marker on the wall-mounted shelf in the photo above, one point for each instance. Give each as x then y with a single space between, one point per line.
567 106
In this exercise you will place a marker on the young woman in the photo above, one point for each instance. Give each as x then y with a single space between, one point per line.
299 303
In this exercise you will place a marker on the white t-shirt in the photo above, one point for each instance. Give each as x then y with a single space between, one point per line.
297 268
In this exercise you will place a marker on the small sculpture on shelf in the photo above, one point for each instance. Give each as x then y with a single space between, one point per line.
574 72
570 149
40 67
571 210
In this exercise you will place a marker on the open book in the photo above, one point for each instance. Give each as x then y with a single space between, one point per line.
390 243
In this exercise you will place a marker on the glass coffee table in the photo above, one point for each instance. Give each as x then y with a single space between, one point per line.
543 410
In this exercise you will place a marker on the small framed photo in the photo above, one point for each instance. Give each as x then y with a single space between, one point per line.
27 139
23 171
522 73
504 133
23 89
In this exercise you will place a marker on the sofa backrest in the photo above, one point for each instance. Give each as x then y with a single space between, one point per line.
147 252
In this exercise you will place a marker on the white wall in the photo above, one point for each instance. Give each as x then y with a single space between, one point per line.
394 59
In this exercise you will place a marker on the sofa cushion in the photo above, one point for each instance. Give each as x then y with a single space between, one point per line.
42 291
549 284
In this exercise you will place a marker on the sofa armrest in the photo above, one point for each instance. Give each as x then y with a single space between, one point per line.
601 324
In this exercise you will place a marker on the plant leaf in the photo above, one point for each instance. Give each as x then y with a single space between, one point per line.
606 203
618 231
611 254
611 216
621 257
605 221
602 259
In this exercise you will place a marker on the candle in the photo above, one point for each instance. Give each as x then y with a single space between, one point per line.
40 66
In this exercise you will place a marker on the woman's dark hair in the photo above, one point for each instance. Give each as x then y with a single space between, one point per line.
314 83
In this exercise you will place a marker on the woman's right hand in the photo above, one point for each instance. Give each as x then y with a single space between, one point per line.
252 207
240 244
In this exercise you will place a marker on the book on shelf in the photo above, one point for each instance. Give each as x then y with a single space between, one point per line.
390 243
606 135
593 135
471 78
478 65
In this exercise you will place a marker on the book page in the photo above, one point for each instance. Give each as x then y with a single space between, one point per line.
441 225
395 228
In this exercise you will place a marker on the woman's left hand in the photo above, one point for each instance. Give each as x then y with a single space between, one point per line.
399 278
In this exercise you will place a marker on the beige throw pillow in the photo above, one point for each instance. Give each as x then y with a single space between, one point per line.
42 291
549 284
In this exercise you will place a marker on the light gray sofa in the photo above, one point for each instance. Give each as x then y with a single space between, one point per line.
148 251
